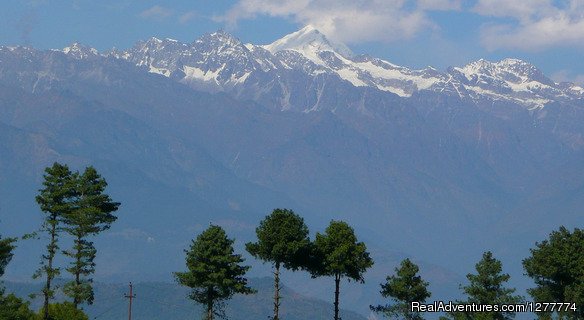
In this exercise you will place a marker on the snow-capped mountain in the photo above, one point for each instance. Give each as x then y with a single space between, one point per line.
290 73
79 51
308 41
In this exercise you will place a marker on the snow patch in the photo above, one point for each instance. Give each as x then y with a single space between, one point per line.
240 79
196 73
162 71
352 76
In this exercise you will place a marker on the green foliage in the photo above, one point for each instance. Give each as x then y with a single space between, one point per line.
215 273
75 204
487 287
91 214
54 198
403 288
55 201
13 308
337 253
6 247
282 240
64 311
557 267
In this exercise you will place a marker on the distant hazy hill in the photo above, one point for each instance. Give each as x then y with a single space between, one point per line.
166 301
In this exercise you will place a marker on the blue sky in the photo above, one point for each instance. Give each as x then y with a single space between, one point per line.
412 33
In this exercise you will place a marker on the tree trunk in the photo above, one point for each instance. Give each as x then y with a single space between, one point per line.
337 289
210 311
77 272
49 270
277 292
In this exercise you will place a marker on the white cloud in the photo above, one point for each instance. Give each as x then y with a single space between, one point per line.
521 10
348 21
536 24
567 76
157 12
443 5
187 16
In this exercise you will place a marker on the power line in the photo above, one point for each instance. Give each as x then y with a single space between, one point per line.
184 307
108 310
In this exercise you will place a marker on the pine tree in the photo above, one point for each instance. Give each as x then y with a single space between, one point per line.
557 267
215 271
11 307
55 201
6 247
487 287
405 287
283 241
91 214
64 311
338 254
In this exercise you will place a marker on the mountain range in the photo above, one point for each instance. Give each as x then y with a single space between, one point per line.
434 165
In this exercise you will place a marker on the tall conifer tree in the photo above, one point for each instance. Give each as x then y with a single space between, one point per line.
405 287
487 287
91 213
11 307
55 200
557 267
283 241
6 247
215 271
337 253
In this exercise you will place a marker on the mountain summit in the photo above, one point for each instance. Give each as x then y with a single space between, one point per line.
308 41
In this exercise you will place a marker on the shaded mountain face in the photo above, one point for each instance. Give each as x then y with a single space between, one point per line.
437 165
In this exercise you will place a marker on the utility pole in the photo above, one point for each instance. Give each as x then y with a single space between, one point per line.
130 296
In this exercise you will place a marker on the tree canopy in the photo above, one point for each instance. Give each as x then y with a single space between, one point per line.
64 311
404 287
214 271
90 214
487 287
55 200
337 253
557 267
6 247
282 240
11 307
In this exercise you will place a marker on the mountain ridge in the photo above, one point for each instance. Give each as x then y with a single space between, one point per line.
310 51
219 62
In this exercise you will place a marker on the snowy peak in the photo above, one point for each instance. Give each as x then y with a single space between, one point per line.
219 39
79 51
523 71
508 70
308 40
513 80
155 44
278 73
